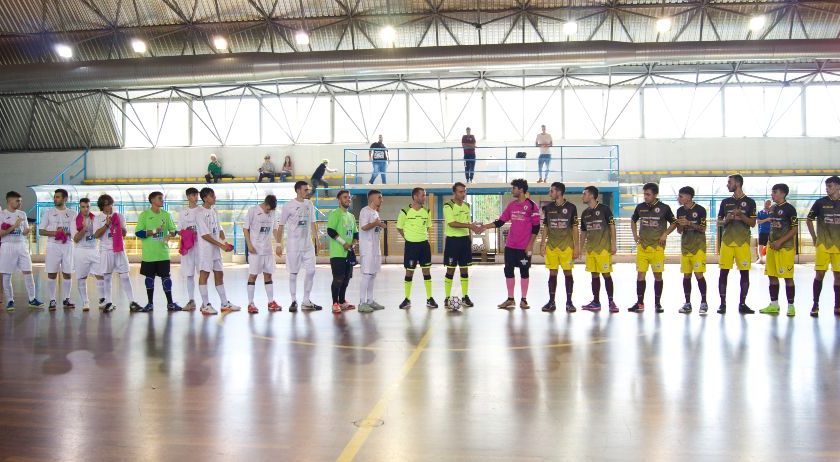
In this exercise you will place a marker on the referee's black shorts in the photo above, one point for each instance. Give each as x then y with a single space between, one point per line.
417 253
457 251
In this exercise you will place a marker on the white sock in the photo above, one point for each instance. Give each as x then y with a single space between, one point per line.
370 288
251 288
100 287
191 287
66 285
7 287
125 281
106 285
269 291
81 285
363 292
205 297
308 281
29 282
293 287
51 288
220 289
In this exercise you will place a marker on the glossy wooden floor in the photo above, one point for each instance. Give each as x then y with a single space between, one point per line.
481 385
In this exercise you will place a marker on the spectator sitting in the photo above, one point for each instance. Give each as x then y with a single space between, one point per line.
214 170
287 170
267 170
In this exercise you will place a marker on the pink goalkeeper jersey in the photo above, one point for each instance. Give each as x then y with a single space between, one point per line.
523 216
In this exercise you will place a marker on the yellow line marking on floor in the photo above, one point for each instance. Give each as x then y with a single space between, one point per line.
355 444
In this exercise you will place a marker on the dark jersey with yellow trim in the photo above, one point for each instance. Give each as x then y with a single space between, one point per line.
782 219
560 221
596 223
827 214
653 220
736 232
692 240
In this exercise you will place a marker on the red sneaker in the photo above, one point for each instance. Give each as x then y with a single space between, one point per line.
274 306
347 306
252 309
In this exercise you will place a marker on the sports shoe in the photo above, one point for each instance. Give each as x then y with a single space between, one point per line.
508 304
815 311
10 306
230 307
347 306
376 306
637 308
102 303
190 306
35 303
274 306
365 308
591 306
431 303
336 308
523 304
704 309
85 307
173 307
658 308
570 308
791 310
309 306
722 308
134 307
145 309
772 308
686 308
613 307
467 302
68 305
549 307
293 307
52 305
836 311
208 310
109 308
252 309
406 304
744 309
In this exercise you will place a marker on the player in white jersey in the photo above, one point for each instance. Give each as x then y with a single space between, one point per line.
259 227
14 251
211 242
298 215
110 229
56 224
370 258
86 255
189 252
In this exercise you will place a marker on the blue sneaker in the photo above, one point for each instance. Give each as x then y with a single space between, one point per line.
10 306
146 309
35 303
173 307
592 306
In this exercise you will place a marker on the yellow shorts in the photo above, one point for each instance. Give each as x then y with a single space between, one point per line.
559 258
653 257
600 262
779 263
824 258
693 263
740 255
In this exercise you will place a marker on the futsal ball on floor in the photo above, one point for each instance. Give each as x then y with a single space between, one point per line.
454 303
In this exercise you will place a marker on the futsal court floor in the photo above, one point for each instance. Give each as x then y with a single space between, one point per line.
424 385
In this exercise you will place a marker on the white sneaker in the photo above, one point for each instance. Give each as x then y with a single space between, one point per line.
190 306
228 307
309 306
208 309
375 305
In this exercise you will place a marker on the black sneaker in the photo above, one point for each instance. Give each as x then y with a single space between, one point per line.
135 307
52 305
467 302
406 304
722 309
744 309
446 303
815 311
549 307
68 305
659 309
172 307
570 308
146 309
108 308
293 307
637 308
431 303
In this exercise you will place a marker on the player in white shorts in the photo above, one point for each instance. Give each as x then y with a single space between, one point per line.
370 255
56 224
211 242
14 251
189 257
298 215
260 225
86 255
109 228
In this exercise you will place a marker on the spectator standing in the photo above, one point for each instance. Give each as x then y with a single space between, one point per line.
545 142
468 143
379 155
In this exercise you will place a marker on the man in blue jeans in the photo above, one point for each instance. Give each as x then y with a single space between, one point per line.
545 142
379 155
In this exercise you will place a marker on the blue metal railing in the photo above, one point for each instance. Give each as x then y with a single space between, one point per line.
72 171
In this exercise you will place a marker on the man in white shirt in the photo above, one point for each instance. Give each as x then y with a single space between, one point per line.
298 215
86 255
111 259
370 256
260 225
545 142
211 242
189 257
56 224
14 251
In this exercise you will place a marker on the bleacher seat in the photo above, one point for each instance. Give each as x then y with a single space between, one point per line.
199 179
